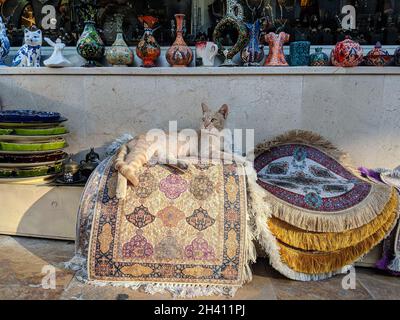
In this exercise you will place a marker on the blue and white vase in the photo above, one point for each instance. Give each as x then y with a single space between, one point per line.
253 53
4 43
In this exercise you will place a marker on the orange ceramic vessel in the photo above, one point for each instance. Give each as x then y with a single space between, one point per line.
148 49
179 55
276 56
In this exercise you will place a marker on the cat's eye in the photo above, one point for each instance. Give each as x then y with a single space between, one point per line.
213 120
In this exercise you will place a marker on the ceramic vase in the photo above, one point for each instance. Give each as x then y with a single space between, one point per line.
179 55
347 53
397 57
148 49
119 55
319 58
4 43
276 56
206 51
233 20
378 57
300 53
90 46
253 53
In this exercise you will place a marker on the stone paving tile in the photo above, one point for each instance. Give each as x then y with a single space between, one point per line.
380 286
330 289
22 263
22 260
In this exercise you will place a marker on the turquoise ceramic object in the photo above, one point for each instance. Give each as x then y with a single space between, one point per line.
319 58
300 53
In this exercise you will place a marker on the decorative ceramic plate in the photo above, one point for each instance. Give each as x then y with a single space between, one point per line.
31 165
10 124
41 132
32 159
4 152
28 116
27 139
30 172
34 180
5 131
45 146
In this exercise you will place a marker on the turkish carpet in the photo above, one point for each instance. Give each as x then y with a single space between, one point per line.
315 215
390 260
185 233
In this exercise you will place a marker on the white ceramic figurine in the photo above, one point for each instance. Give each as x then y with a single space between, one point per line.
57 59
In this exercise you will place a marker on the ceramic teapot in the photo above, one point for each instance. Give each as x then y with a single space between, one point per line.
92 160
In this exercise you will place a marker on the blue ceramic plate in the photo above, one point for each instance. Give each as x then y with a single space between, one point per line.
28 116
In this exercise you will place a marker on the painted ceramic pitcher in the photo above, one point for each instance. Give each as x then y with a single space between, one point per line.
206 51
179 55
276 56
148 49
90 46
4 43
253 53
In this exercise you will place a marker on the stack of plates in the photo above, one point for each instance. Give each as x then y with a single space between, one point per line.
31 146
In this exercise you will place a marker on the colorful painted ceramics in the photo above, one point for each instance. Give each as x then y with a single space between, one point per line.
44 146
300 53
168 236
276 56
319 58
119 55
206 51
253 53
232 20
57 59
31 146
148 49
4 43
179 55
28 116
378 57
347 53
90 46
29 55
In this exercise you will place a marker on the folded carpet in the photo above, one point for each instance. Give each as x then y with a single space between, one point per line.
315 216
186 233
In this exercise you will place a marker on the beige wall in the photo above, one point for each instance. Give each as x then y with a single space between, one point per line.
358 109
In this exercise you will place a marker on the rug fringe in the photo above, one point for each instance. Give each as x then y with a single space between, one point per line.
331 241
322 262
78 264
261 212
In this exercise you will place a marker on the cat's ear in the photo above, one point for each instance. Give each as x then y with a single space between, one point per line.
26 30
224 110
205 108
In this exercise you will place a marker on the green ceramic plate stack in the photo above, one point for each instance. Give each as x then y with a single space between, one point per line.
31 146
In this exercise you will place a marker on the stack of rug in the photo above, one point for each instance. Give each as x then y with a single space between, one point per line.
186 233
314 215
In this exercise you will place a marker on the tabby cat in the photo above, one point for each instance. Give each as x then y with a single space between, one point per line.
139 150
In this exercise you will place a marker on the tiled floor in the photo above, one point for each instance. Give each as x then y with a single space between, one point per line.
22 261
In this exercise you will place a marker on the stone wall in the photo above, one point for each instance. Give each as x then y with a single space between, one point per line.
358 108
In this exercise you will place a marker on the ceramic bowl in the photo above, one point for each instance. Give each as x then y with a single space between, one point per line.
16 158
53 145
28 116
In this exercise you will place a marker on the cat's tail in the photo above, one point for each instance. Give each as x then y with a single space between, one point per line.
130 157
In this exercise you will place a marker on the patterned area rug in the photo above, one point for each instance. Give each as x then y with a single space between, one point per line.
319 216
184 233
